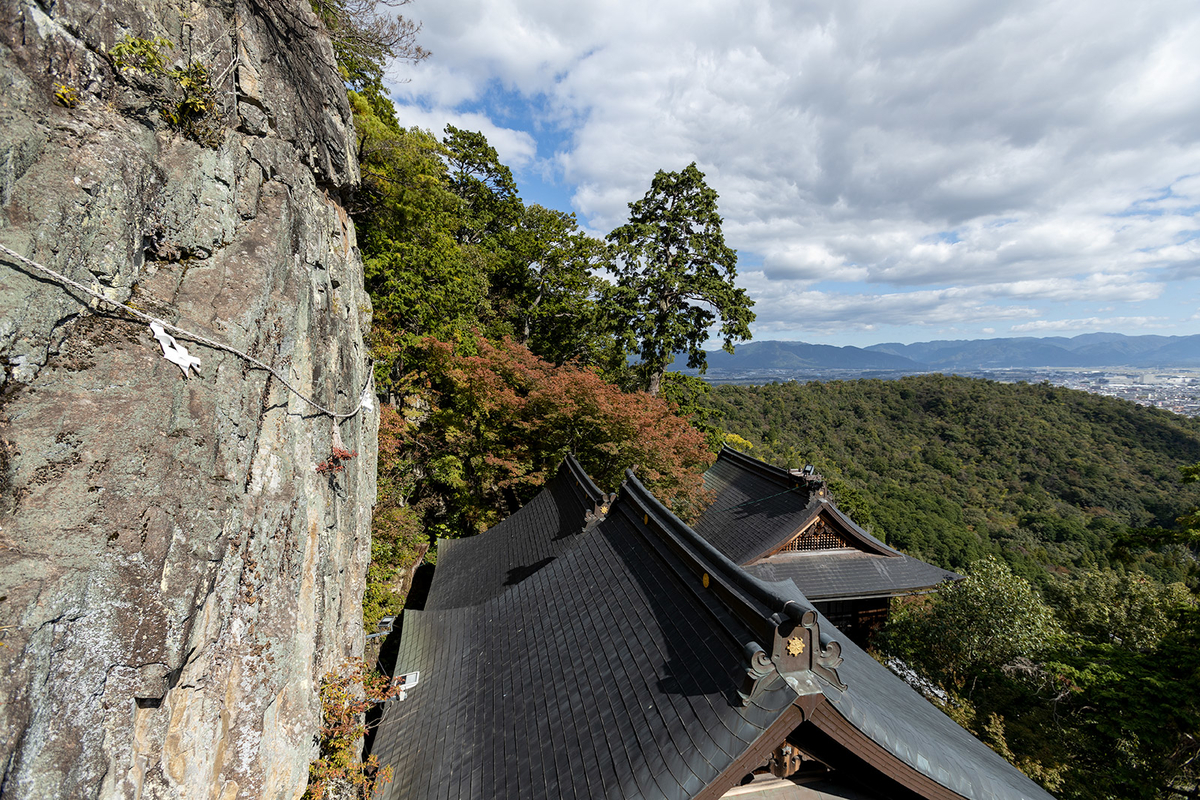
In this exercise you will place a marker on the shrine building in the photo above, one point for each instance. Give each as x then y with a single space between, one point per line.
595 646
783 525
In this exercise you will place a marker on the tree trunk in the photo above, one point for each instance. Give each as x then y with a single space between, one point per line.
655 382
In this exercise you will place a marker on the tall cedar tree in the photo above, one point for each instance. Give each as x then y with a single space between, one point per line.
675 276
552 285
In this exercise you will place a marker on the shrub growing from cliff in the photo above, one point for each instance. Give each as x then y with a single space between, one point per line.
186 97
339 773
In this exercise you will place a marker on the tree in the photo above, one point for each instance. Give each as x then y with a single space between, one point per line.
496 421
485 186
981 623
675 276
420 280
365 37
1122 609
549 293
1189 524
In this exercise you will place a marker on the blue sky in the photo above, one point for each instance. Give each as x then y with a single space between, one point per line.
887 172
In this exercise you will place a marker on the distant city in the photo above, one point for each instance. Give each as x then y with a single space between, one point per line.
1158 371
1176 390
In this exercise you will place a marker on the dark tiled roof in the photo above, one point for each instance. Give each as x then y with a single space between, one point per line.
888 711
610 672
614 671
849 574
884 709
472 570
756 506
746 528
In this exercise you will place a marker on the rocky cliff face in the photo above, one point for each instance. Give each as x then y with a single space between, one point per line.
175 575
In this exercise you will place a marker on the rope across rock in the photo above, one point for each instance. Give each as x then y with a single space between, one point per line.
364 398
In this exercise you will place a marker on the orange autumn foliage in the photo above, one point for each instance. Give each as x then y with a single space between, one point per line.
492 424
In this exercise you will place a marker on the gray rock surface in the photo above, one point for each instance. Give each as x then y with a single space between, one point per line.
175 575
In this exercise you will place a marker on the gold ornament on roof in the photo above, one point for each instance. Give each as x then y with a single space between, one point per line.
795 646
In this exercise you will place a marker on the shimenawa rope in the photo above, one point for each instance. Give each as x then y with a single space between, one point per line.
364 398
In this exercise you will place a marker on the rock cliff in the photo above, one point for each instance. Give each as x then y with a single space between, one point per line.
175 574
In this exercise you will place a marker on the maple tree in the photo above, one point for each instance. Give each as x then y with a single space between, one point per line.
346 695
497 420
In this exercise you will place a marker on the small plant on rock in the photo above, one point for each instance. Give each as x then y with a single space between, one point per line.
189 105
337 460
68 96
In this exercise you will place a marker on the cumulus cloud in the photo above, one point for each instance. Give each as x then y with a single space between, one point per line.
788 309
1006 148
516 148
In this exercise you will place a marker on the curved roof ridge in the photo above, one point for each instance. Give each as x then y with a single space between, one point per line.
765 470
703 558
572 465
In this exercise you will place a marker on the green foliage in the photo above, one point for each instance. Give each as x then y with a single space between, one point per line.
489 331
951 469
549 286
421 281
1188 530
397 543
490 205
675 276
1110 709
981 623
144 54
1126 720
448 247
1118 608
688 394
188 103
339 770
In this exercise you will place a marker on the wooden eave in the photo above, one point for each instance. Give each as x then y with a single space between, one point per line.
889 768
815 712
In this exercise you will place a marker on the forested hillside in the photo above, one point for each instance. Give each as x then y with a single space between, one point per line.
952 469
1073 647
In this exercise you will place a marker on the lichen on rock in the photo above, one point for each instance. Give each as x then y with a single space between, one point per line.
175 575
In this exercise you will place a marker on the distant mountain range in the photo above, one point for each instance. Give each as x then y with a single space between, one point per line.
1087 350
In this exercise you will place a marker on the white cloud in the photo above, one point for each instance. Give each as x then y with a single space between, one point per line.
791 309
1037 151
1089 324
516 148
